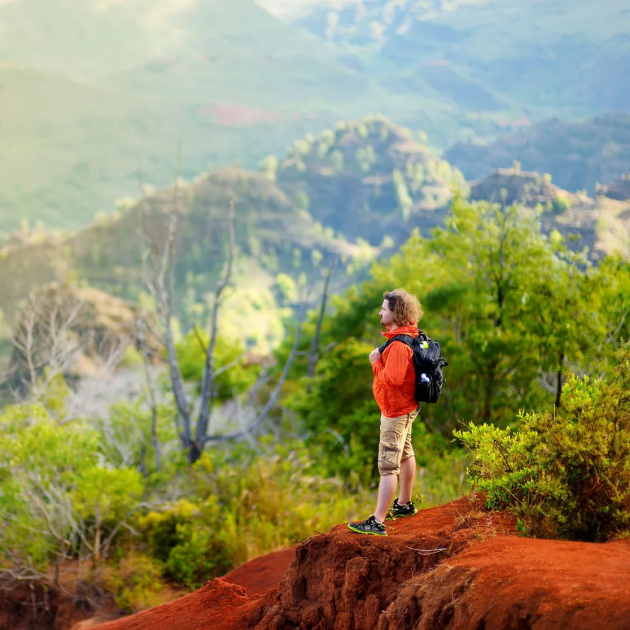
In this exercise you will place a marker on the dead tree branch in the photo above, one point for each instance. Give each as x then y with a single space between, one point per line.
314 353
270 403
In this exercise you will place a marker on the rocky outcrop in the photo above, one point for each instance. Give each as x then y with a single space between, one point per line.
601 224
343 580
510 583
509 185
619 190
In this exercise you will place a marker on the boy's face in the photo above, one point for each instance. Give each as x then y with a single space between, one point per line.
387 316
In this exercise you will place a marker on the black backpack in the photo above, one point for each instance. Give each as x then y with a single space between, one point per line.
428 361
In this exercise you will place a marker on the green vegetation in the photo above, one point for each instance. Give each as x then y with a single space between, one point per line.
272 236
518 314
67 494
297 208
514 311
565 472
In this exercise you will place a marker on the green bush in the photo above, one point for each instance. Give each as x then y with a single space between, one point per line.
565 473
272 497
185 537
243 503
135 582
56 495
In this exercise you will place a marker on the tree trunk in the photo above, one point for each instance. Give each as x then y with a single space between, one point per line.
97 543
314 353
489 392
156 449
194 452
559 380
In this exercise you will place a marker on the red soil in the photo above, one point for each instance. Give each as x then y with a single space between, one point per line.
212 606
449 567
49 610
262 574
229 115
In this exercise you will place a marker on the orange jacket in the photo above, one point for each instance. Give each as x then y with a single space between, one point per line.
395 376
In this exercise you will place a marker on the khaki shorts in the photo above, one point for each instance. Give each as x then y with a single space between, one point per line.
395 442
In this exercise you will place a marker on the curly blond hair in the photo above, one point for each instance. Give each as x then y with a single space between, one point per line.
406 306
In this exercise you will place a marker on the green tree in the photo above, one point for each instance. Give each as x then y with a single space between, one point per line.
57 499
514 311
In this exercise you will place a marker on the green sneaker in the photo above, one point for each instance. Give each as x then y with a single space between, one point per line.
369 526
398 511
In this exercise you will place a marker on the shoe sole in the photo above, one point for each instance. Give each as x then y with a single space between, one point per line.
359 531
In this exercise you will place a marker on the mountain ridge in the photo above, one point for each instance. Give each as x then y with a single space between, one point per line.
305 201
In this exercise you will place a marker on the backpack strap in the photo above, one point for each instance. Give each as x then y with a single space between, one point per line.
406 339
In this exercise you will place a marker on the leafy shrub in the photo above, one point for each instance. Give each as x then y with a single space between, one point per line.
566 473
159 528
272 497
135 582
562 203
198 555
185 537
56 496
243 503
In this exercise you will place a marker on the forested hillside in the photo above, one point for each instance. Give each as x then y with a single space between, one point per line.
93 92
356 191
487 55
369 179
579 155
273 237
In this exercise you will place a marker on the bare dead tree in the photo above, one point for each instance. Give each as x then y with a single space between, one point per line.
52 516
55 327
194 417
18 571
45 344
148 355
315 354
273 399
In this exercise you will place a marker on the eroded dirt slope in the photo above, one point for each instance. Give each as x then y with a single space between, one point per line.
262 574
450 567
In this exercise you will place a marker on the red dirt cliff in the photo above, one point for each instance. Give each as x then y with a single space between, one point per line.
262 574
449 567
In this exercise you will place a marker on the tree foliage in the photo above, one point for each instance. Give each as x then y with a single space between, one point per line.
516 313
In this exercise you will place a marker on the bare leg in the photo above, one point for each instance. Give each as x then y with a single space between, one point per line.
407 475
386 492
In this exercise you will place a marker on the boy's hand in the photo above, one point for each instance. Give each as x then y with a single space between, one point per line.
375 355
